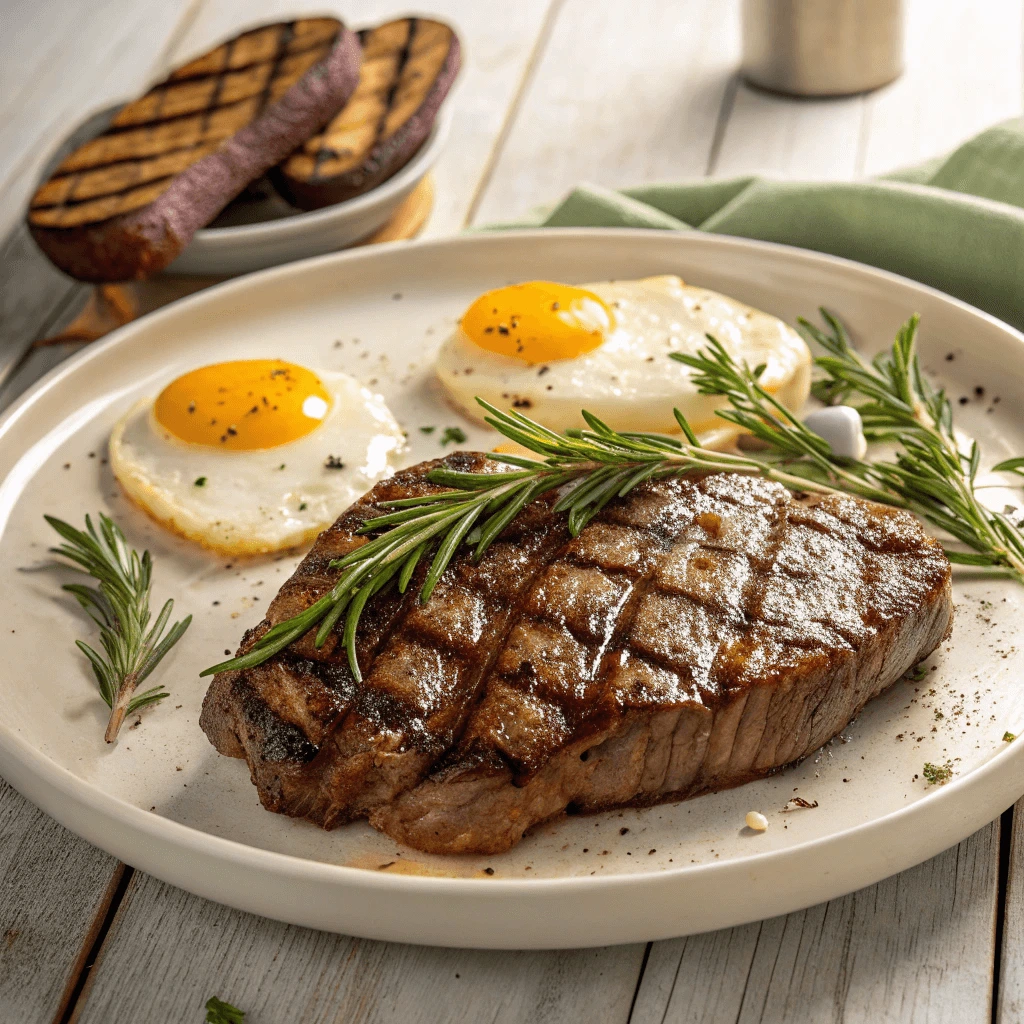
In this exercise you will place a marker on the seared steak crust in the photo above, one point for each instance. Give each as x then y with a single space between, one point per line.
698 634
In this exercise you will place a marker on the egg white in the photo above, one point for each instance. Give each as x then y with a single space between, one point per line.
253 502
629 381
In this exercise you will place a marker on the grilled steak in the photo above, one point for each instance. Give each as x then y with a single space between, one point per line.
698 634
408 67
126 203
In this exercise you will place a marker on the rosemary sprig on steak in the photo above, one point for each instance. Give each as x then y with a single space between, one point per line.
600 461
120 607
932 474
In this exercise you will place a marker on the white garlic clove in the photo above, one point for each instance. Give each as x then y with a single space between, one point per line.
841 426
756 821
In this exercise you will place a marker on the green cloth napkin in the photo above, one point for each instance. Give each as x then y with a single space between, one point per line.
956 223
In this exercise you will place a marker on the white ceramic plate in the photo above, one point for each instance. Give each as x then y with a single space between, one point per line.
164 801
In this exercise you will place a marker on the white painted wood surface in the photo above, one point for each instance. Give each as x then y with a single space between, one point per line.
917 948
1010 997
617 92
619 97
168 952
964 73
54 888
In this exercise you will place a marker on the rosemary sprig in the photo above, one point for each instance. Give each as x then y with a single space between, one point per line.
930 475
601 464
119 605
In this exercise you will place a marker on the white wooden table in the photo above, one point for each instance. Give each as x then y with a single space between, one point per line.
555 92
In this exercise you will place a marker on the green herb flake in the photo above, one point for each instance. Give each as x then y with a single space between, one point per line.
938 774
281 466
303 507
917 673
1009 737
219 1012
453 435
427 430
200 481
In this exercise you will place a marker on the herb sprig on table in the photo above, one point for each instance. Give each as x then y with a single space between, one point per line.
929 475
119 605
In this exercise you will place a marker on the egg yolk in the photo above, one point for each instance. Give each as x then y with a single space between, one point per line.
538 322
243 405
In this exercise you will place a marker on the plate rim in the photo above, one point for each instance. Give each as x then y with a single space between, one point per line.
35 772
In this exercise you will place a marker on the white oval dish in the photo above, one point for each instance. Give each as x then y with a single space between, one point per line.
164 801
245 247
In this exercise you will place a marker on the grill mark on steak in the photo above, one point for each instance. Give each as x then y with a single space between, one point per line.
597 634
698 634
419 675
413 702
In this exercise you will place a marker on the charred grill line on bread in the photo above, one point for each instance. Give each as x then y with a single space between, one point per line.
124 204
699 633
325 153
408 68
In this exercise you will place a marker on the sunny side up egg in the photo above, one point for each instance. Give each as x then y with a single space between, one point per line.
253 456
551 350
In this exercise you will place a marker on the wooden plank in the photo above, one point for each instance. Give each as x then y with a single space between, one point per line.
53 890
917 947
1010 997
619 97
496 53
168 952
964 73
942 98
32 292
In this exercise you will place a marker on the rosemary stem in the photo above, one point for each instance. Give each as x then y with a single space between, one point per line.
120 708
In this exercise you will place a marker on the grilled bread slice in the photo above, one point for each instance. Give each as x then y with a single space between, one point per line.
125 204
408 67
